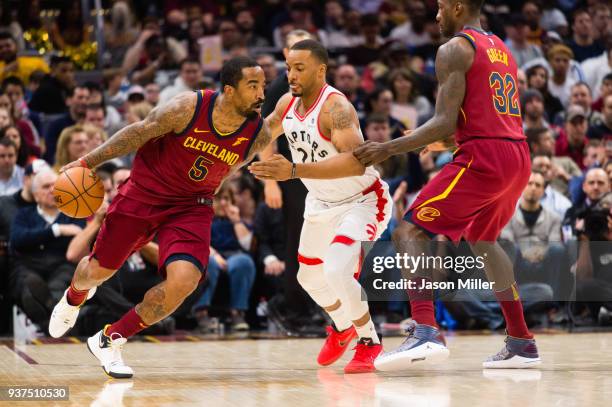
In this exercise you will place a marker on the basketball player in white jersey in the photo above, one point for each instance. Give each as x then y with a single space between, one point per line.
346 203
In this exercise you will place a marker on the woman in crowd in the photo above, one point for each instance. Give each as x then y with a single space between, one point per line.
72 144
408 106
24 156
537 78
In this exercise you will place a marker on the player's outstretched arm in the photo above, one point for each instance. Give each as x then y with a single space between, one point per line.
339 120
452 62
172 116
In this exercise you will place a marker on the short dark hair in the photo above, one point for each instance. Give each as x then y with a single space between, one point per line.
93 86
70 92
376 118
534 134
608 77
95 106
189 60
56 60
231 72
12 80
4 35
315 47
7 142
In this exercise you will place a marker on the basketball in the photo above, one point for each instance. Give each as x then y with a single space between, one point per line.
78 192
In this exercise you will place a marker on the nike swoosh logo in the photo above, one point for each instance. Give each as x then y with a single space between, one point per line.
101 341
196 130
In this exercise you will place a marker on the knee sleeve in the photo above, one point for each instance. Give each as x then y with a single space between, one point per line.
341 263
313 281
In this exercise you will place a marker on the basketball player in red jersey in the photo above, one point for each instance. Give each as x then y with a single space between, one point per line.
184 151
475 195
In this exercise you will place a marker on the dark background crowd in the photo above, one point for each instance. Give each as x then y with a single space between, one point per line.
72 74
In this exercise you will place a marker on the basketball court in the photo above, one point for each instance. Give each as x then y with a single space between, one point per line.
193 370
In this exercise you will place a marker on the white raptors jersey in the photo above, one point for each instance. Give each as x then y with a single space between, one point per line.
308 145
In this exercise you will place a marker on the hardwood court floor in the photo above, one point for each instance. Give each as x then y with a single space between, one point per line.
577 371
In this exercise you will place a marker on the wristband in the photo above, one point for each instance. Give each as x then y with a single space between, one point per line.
83 162
293 168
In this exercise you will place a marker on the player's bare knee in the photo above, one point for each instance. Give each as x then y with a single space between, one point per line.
183 277
98 273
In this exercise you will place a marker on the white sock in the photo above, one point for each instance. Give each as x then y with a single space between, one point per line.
340 320
367 330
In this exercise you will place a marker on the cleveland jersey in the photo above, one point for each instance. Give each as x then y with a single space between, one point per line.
188 167
309 145
491 105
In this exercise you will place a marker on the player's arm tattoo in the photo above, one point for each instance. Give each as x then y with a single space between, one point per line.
452 62
172 116
262 140
342 122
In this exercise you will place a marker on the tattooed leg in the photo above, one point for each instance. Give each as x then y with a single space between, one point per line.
161 301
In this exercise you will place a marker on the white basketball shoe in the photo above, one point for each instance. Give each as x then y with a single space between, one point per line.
108 351
65 315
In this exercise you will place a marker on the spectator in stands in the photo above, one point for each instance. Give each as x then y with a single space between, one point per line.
245 192
594 154
559 85
521 81
72 144
532 106
600 13
230 36
394 169
5 117
230 242
552 199
269 230
563 169
552 18
9 204
521 49
595 186
190 76
12 65
603 129
604 90
533 15
580 94
77 102
593 266
95 115
346 80
111 118
536 233
370 49
408 106
70 30
11 174
39 238
537 78
95 135
582 42
246 25
120 32
152 92
572 138
24 125
380 102
268 64
54 90
346 35
596 68
412 32
11 132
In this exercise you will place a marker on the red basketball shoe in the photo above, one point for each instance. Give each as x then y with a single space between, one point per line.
365 353
335 345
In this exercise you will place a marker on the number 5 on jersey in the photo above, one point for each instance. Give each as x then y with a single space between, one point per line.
198 170
505 96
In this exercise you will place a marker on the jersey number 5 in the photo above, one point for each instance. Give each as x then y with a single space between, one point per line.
198 170
505 97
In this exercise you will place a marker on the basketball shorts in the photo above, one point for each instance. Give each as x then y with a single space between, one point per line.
183 232
362 218
475 195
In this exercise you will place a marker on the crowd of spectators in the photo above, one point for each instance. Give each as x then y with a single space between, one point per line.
54 108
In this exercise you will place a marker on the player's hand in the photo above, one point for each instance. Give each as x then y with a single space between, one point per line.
275 268
69 230
76 163
273 194
101 213
276 168
370 153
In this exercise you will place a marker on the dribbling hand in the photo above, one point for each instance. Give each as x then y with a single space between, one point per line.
77 163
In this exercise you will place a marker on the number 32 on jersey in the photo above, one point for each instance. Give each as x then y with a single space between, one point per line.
505 94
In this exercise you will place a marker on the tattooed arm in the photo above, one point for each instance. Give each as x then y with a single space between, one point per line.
339 122
452 62
173 116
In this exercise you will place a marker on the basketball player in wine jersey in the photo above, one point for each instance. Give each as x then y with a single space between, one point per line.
346 203
473 196
184 150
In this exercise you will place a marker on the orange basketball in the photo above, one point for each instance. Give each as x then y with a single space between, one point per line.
78 192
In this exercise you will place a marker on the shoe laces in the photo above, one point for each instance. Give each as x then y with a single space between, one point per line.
116 345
